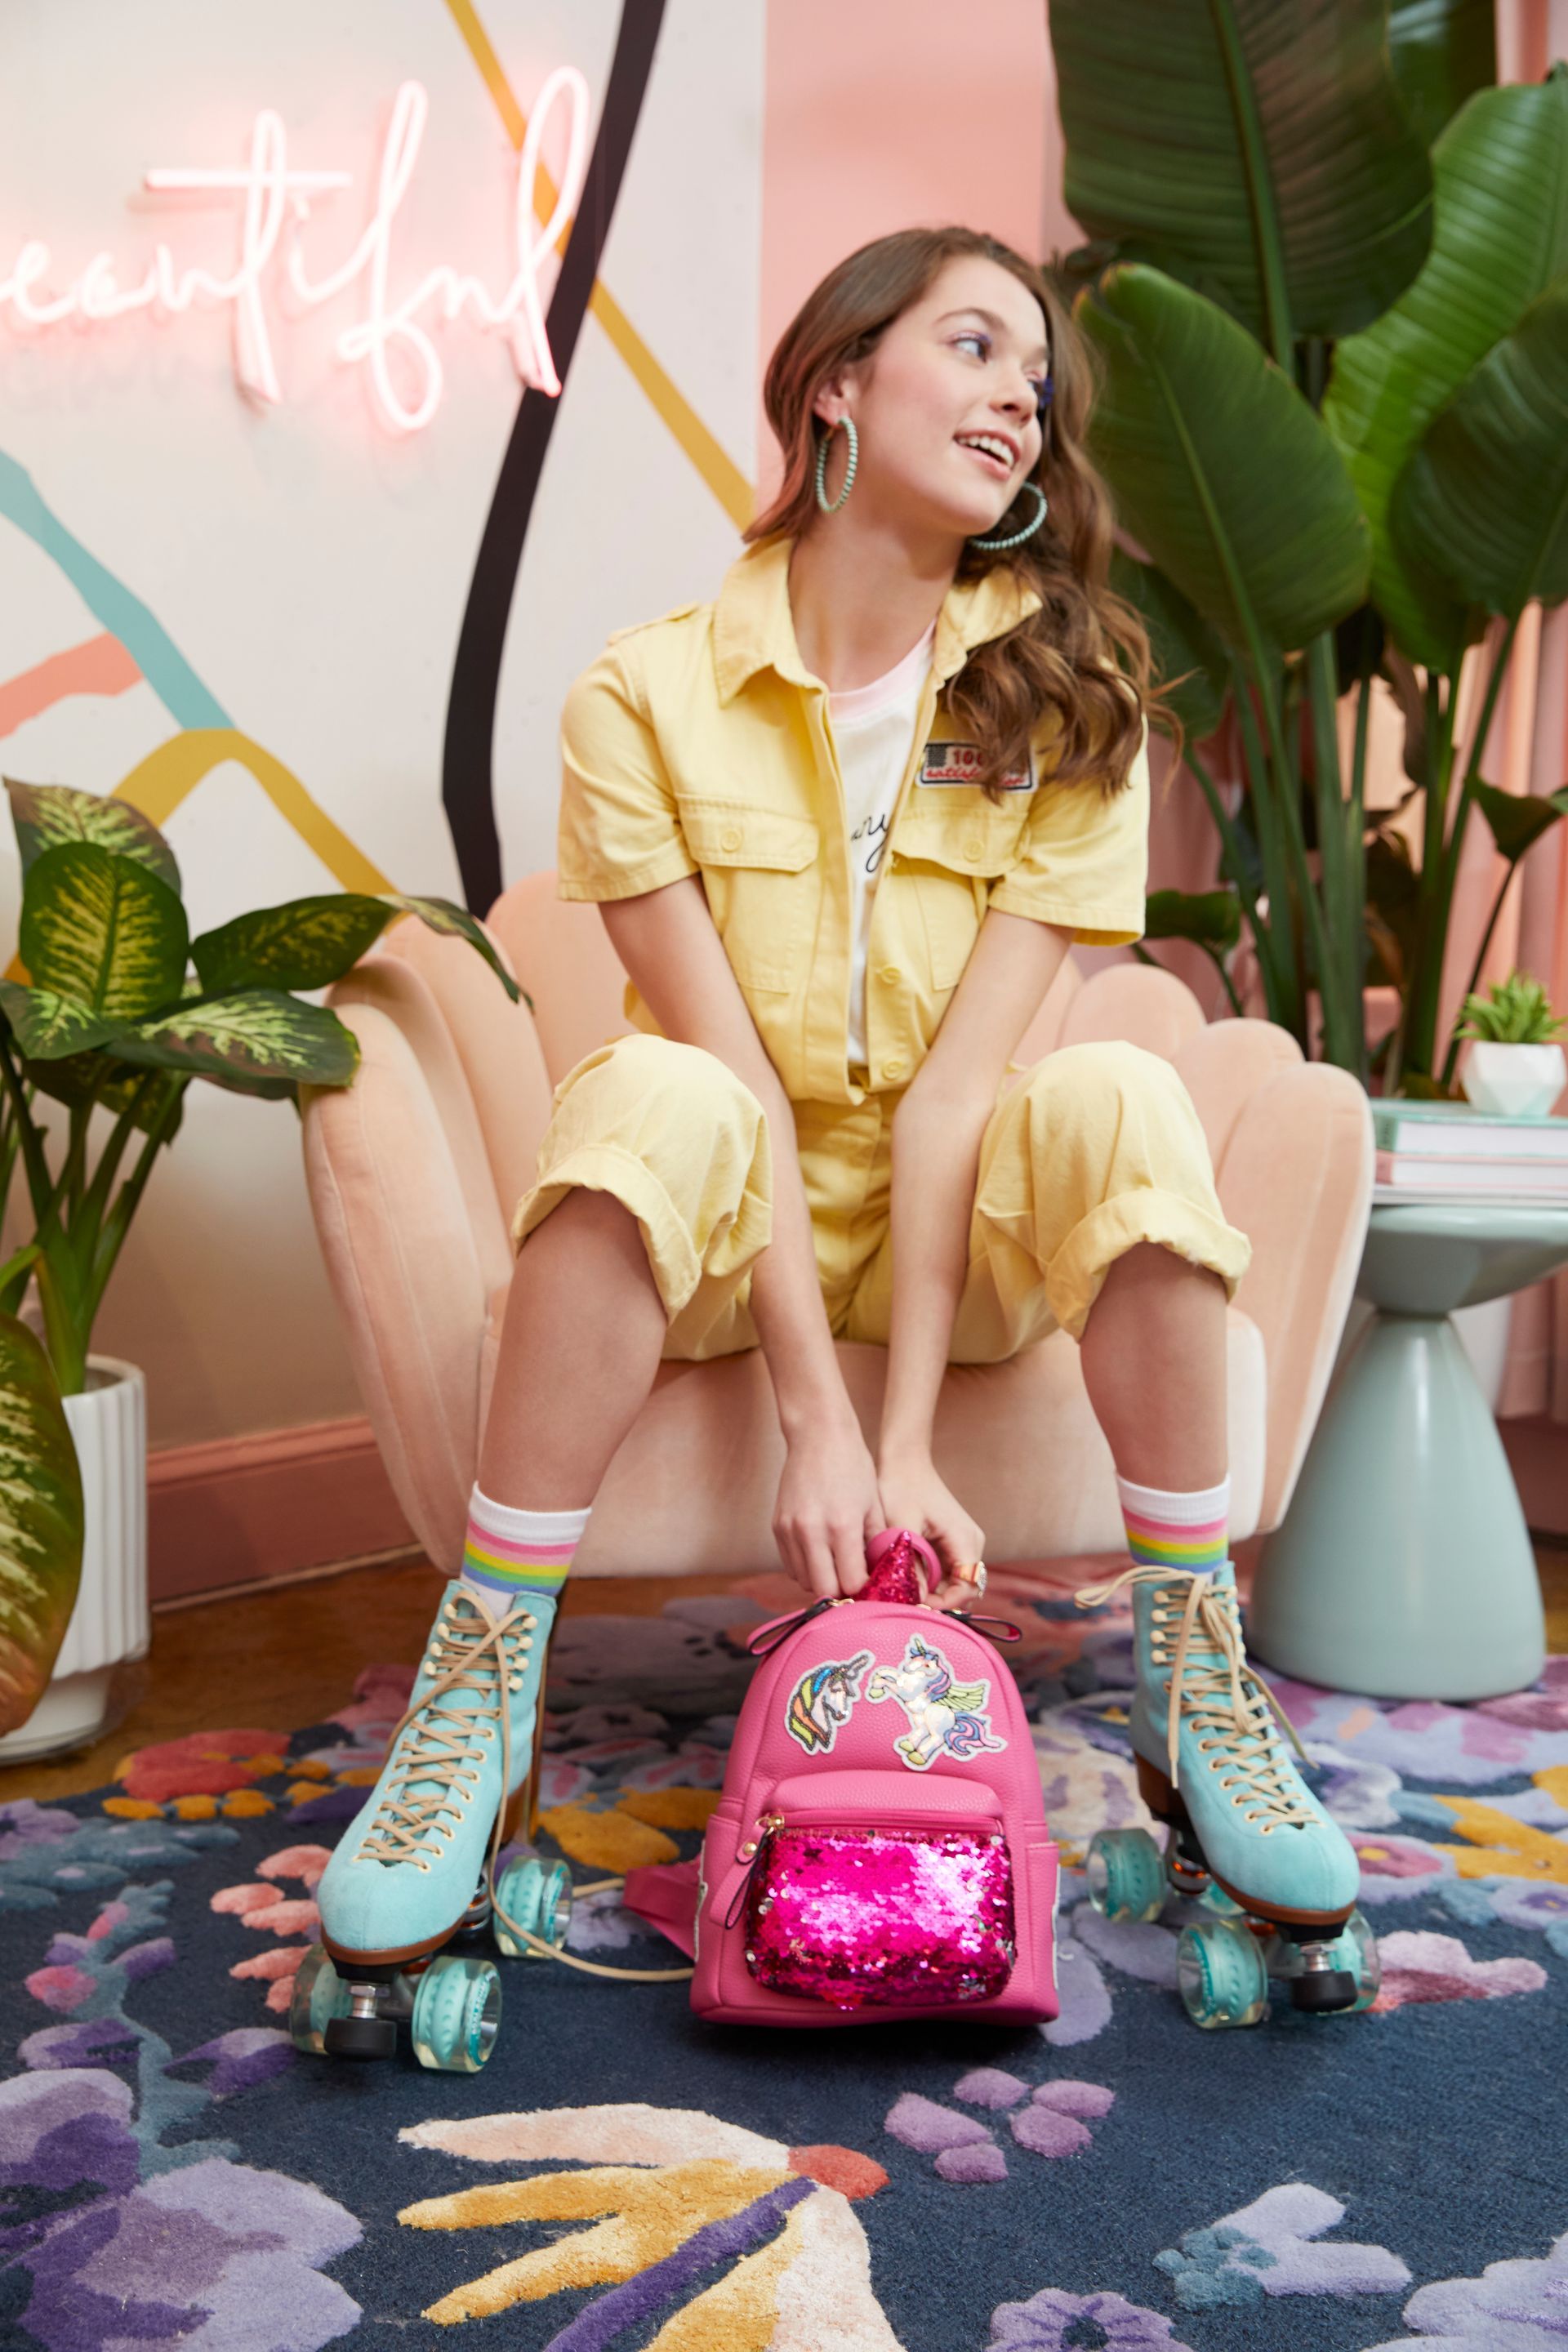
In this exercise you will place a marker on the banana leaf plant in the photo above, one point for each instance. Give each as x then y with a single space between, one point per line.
1326 288
110 1018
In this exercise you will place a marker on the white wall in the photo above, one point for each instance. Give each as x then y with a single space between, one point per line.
310 568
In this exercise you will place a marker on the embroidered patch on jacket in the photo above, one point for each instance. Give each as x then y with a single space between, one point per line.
946 1717
823 1700
960 763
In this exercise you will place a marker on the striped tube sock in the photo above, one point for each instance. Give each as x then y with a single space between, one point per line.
1181 1531
518 1552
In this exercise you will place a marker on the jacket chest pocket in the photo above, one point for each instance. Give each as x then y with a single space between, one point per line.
951 857
759 870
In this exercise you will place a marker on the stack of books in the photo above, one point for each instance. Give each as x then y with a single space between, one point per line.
1446 1152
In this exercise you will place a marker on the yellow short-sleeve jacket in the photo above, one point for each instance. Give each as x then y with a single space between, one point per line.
699 743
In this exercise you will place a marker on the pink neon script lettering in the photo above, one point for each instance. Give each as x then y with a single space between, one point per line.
275 204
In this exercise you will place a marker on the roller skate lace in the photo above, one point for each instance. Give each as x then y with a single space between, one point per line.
1218 1693
435 1772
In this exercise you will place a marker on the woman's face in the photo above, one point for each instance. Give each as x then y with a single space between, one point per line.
961 369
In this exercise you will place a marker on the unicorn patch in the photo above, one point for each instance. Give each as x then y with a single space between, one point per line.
824 1699
946 1719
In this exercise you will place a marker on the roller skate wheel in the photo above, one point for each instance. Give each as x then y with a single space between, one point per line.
1356 1955
1222 1975
319 1994
1126 1874
456 2013
538 1896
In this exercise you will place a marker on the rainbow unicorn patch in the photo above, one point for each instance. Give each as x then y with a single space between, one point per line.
946 1719
824 1699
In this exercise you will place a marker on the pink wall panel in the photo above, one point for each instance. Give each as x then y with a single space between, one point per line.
889 114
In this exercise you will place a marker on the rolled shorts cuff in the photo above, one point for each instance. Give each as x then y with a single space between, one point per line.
1073 1277
606 1168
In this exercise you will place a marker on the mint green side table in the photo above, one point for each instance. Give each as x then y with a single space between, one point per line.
1403 1567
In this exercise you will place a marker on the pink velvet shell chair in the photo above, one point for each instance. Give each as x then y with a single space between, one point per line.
414 1171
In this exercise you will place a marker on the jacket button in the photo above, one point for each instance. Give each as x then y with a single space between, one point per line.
730 837
889 972
893 1069
973 847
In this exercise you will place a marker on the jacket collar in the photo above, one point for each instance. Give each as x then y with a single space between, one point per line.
754 628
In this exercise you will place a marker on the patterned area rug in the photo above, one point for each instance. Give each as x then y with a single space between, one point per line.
622 2177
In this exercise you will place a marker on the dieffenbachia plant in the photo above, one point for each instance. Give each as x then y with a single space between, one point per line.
1327 294
40 1522
110 1017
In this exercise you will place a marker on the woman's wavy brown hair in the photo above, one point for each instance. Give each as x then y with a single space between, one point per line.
1056 659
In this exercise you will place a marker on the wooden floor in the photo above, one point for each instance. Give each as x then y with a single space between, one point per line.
276 1659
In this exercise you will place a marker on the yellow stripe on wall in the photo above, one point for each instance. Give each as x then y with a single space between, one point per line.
158 784
719 470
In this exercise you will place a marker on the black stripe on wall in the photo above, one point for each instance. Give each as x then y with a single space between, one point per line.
467 764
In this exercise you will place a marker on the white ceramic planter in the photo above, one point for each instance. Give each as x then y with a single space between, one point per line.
1513 1081
110 1621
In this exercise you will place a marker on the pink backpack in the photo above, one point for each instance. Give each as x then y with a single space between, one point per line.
879 1850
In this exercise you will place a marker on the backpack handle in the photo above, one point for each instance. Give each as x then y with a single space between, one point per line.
903 1568
898 1559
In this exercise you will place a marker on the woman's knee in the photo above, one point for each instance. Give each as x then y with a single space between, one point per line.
678 1138
648 1107
638 1076
1112 1073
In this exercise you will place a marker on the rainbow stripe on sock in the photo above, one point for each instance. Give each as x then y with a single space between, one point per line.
1163 1543
507 1567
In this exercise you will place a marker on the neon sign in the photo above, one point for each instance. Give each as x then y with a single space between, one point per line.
275 203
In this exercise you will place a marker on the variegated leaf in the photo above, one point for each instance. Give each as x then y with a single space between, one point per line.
260 1034
40 1522
305 943
47 1026
46 814
102 930
441 915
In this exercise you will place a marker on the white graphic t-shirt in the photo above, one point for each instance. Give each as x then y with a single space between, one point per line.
873 728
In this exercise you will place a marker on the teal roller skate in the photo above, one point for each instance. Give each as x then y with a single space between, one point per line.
411 1873
416 1869
1244 1834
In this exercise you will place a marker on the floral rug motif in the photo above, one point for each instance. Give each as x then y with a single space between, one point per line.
622 2177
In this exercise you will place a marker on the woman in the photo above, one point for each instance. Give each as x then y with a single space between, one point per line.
842 824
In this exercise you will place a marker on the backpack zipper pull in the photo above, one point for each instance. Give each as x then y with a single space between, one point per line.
781 1628
766 1822
748 1853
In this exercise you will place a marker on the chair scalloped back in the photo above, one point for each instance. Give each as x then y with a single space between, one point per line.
562 955
1291 1144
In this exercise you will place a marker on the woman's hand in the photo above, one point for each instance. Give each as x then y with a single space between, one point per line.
913 1496
828 1506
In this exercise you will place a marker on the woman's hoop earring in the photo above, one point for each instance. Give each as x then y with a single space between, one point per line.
822 448
1029 527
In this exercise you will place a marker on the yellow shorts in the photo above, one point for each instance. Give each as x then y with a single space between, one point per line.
1092 1150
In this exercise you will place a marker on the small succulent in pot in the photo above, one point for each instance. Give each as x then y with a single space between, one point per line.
1515 1067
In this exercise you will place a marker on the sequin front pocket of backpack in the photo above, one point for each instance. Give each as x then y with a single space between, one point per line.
893 1913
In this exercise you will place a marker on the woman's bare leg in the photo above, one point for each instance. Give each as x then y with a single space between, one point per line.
580 1344
1153 1358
